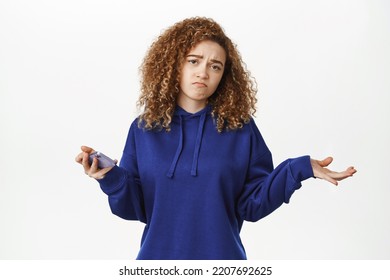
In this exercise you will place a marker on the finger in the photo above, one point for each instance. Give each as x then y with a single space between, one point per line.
85 162
101 173
326 174
87 149
94 167
330 179
79 158
326 161
351 170
342 175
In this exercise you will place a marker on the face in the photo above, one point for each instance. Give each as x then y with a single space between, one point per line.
201 73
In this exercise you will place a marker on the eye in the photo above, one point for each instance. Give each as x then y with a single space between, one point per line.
193 61
216 67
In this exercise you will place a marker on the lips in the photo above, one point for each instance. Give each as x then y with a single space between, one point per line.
197 84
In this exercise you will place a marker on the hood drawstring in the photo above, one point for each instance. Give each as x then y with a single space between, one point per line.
198 142
178 151
199 136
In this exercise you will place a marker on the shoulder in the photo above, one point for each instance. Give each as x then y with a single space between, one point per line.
248 129
138 128
137 125
134 129
251 128
258 144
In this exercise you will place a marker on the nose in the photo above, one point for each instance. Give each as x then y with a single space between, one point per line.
202 73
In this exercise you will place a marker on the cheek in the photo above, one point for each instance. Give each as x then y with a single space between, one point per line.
184 76
217 81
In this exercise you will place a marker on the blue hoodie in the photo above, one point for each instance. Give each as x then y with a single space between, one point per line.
193 187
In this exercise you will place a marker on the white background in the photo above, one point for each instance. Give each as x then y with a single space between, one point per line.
69 77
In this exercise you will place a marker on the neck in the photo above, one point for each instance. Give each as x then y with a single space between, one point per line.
191 106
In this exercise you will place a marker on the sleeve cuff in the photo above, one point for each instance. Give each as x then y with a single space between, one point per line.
112 180
301 168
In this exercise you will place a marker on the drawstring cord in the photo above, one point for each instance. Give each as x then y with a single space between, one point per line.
198 142
199 137
178 151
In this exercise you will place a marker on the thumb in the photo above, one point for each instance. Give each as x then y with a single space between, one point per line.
87 149
326 161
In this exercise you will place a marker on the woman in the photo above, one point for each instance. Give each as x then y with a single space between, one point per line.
195 165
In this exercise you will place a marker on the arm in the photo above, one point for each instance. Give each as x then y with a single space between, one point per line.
268 189
121 184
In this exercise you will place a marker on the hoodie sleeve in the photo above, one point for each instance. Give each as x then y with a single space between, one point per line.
266 188
123 187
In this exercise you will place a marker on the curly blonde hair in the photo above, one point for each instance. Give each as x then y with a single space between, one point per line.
233 102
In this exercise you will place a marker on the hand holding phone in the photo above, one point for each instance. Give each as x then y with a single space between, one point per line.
103 160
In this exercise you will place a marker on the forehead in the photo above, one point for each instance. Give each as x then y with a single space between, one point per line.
209 49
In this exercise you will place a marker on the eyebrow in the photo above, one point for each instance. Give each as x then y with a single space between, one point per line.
201 56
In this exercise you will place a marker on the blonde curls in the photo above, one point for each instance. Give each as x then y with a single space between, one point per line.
233 103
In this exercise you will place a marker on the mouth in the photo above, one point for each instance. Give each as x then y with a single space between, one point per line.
197 84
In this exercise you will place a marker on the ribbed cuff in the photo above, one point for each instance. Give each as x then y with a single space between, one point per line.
112 180
301 168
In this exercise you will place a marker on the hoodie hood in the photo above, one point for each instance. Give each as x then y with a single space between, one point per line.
181 116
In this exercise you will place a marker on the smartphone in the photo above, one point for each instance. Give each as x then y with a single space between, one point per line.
103 160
